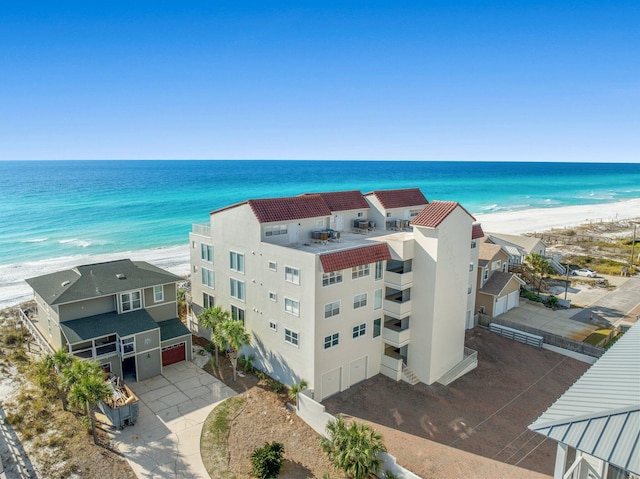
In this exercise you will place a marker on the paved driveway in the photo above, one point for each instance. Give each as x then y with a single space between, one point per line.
165 441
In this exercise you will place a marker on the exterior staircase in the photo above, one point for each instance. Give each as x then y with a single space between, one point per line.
409 376
525 273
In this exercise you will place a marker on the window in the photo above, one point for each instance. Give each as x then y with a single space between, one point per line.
334 277
128 345
319 223
236 261
388 214
504 267
292 275
470 266
131 301
331 340
377 299
359 300
206 252
414 212
360 214
292 306
275 230
495 265
273 266
273 296
158 294
237 313
469 290
291 337
473 244
208 301
376 327
331 309
486 274
207 277
359 271
236 288
359 330
379 270
273 326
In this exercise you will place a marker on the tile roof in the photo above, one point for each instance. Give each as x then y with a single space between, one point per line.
343 200
476 231
435 212
287 209
354 257
600 413
99 279
497 282
400 198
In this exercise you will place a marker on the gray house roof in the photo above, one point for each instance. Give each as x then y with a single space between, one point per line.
100 279
497 282
528 243
172 328
126 324
600 413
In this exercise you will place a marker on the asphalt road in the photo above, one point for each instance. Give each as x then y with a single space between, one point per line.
614 306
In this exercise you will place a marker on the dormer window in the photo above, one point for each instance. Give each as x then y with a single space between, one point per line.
130 301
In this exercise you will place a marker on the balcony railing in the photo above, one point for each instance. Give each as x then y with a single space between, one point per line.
203 229
396 336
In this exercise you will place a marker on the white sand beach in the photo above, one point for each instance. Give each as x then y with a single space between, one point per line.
543 219
175 259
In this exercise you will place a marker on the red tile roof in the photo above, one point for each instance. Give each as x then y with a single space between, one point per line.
344 200
354 257
287 209
435 212
476 231
400 198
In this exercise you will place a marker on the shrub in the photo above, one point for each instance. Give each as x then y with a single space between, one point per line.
266 461
12 339
552 301
276 386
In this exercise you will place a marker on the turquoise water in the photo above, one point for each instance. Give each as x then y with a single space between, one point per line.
53 209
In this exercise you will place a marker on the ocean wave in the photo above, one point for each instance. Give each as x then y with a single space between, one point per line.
76 242
34 240
489 207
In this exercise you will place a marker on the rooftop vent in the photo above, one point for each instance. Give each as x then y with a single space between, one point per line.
65 283
121 276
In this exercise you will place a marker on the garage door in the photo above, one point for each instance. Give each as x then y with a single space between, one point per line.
357 371
501 306
173 354
513 300
331 383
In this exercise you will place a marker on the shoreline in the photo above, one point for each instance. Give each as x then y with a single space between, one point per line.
175 259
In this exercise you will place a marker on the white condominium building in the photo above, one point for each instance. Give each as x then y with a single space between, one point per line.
337 287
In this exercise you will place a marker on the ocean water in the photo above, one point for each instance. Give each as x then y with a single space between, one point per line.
56 213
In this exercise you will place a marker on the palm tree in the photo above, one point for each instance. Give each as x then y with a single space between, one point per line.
49 373
232 336
540 266
297 388
87 389
353 448
210 319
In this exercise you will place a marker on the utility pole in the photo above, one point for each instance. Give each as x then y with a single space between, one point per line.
633 245
566 284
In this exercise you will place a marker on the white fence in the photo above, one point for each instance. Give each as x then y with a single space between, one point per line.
316 416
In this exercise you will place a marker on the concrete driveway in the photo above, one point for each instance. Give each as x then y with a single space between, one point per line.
165 441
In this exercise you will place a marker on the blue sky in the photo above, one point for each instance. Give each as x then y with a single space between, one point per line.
423 80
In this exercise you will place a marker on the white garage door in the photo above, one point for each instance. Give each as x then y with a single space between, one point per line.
513 300
501 306
331 383
357 371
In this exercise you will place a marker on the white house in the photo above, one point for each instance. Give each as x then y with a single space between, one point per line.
338 287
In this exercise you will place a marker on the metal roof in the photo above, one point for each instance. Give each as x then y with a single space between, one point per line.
600 413
528 243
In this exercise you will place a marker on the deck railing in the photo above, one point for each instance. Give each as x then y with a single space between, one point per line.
35 332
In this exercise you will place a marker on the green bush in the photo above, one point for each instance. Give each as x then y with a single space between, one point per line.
525 293
266 461
552 301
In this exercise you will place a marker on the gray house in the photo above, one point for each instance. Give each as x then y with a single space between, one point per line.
123 314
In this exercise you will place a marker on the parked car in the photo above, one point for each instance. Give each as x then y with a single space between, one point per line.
589 273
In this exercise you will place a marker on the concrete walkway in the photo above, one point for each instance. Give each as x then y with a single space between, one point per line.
165 441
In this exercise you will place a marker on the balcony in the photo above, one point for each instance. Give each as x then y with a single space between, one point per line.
396 332
400 280
398 303
202 229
